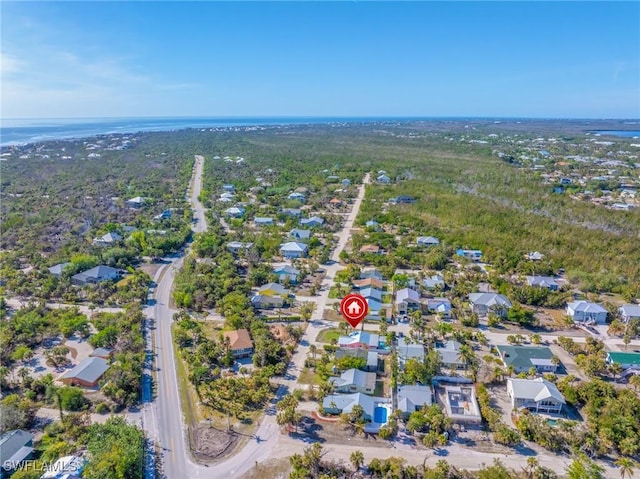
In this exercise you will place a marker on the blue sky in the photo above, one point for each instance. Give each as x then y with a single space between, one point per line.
522 59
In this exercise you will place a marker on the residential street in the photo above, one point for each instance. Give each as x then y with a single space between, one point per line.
165 426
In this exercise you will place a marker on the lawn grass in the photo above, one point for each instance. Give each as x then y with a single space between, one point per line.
307 376
326 335
188 396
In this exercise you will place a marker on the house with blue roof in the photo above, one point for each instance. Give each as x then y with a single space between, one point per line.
312 222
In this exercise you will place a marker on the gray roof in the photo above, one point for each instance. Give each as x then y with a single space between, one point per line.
407 295
89 370
372 340
300 233
372 293
59 268
356 377
586 306
293 246
450 353
427 240
407 350
13 446
345 402
312 220
433 281
630 310
264 299
489 299
538 389
98 273
411 398
542 281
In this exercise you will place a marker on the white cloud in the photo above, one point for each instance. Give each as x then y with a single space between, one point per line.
9 64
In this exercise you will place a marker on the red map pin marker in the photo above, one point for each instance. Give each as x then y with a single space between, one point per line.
354 309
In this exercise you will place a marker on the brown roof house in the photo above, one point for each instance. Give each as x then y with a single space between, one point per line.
241 344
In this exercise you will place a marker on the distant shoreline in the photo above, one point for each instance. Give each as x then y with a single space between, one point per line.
17 132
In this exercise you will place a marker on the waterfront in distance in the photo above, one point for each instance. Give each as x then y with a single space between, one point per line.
25 131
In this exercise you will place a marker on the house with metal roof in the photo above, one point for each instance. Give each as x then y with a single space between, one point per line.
235 212
263 221
360 339
535 394
354 381
484 303
407 350
449 353
626 360
296 196
377 410
434 282
234 247
136 202
427 241
407 300
265 302
371 273
586 312
58 269
95 275
371 293
300 234
412 398
629 312
15 447
472 254
107 239
287 273
523 358
543 282
312 222
293 249
440 306
86 374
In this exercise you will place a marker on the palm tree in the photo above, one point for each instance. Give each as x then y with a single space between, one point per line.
626 466
532 465
466 354
313 349
357 459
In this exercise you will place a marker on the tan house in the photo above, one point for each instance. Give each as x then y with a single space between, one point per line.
240 343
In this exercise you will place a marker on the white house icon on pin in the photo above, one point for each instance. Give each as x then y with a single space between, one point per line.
354 308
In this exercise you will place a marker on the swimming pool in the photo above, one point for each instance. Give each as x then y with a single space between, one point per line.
380 415
552 422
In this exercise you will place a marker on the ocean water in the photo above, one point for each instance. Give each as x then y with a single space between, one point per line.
24 131
622 133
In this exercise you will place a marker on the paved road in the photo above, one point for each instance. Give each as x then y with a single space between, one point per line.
164 424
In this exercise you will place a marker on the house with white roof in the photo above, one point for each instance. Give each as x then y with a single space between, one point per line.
360 339
543 282
67 467
354 381
534 256
629 312
484 303
95 275
293 249
586 312
384 179
537 395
